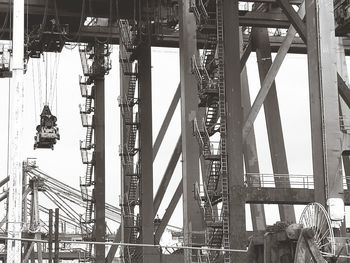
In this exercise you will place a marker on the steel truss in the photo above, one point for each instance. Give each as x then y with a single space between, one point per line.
222 186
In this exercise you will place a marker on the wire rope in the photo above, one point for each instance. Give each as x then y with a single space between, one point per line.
39 84
45 13
128 244
46 74
8 129
77 36
55 82
33 77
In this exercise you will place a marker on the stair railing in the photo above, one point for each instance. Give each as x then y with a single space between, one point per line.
198 132
125 60
202 10
195 11
209 201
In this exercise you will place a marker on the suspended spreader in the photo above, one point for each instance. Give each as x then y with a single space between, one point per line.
47 132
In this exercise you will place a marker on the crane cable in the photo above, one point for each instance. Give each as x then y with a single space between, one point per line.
35 111
77 36
47 69
53 83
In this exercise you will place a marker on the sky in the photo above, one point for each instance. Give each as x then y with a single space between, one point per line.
64 162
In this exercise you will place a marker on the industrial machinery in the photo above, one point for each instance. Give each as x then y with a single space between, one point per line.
47 131
310 240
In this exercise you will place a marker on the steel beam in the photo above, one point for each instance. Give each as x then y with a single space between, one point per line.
324 107
166 121
294 18
99 166
15 136
290 196
344 109
113 249
28 252
192 217
50 235
232 72
4 181
246 52
343 90
167 176
270 77
260 19
273 118
168 213
251 156
57 230
146 149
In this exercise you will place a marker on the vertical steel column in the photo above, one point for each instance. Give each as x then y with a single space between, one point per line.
15 136
251 156
24 197
273 119
36 219
251 160
99 122
57 246
146 149
344 110
232 72
192 218
324 107
50 234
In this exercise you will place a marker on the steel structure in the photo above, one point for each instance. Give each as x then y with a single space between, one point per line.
220 168
74 209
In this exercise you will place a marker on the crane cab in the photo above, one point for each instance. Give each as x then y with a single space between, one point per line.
47 132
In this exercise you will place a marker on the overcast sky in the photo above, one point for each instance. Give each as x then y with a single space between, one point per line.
65 161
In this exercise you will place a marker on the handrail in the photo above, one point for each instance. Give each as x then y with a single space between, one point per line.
206 131
195 10
198 131
204 11
196 70
209 201
125 60
269 180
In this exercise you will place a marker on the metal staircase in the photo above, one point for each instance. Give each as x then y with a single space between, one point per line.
209 72
86 55
95 63
87 148
223 132
128 103
199 11
213 178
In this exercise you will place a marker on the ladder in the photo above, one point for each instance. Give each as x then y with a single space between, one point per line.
129 110
223 132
